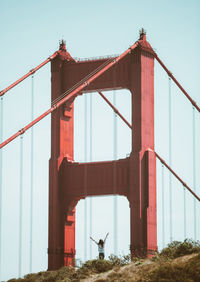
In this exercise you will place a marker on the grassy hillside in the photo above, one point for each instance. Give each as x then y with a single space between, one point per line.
178 262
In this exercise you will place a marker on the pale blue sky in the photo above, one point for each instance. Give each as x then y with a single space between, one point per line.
30 32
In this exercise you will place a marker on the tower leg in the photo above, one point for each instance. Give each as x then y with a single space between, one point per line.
62 123
151 203
143 204
69 252
142 190
56 221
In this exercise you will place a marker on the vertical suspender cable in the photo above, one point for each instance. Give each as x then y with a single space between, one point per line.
184 211
194 172
85 206
115 227
163 208
170 162
20 204
1 176
31 176
90 161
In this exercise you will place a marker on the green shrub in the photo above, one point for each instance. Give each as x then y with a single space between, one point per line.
177 249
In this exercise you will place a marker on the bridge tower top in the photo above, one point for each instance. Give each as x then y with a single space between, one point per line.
142 34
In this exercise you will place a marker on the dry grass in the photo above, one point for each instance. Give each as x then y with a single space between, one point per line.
178 262
183 269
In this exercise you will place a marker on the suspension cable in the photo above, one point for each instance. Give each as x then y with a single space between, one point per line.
176 175
32 71
115 109
85 230
163 207
90 161
31 175
115 203
85 203
176 82
1 178
81 81
20 205
194 169
170 164
70 95
184 212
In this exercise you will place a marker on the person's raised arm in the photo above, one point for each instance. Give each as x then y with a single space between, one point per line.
93 240
106 237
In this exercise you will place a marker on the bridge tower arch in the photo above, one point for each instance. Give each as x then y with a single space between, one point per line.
133 177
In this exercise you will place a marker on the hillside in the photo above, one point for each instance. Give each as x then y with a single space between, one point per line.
178 262
186 268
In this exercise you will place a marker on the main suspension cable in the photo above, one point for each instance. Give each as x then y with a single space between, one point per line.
70 95
31 72
81 81
176 175
176 82
115 109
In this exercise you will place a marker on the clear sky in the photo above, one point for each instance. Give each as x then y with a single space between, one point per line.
30 32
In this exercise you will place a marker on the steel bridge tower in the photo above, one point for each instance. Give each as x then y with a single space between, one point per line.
133 177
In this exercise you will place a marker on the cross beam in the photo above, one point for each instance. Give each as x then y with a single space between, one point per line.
72 94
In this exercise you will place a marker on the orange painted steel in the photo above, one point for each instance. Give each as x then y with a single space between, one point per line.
115 109
32 71
177 83
133 177
70 95
176 175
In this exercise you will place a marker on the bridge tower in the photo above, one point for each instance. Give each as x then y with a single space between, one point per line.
133 177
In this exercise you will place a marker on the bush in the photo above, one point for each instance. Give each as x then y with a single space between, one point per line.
182 272
119 261
97 266
163 269
177 249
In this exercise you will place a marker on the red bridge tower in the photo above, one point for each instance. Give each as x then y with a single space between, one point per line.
133 177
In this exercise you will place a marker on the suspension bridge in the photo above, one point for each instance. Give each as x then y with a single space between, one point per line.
133 177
